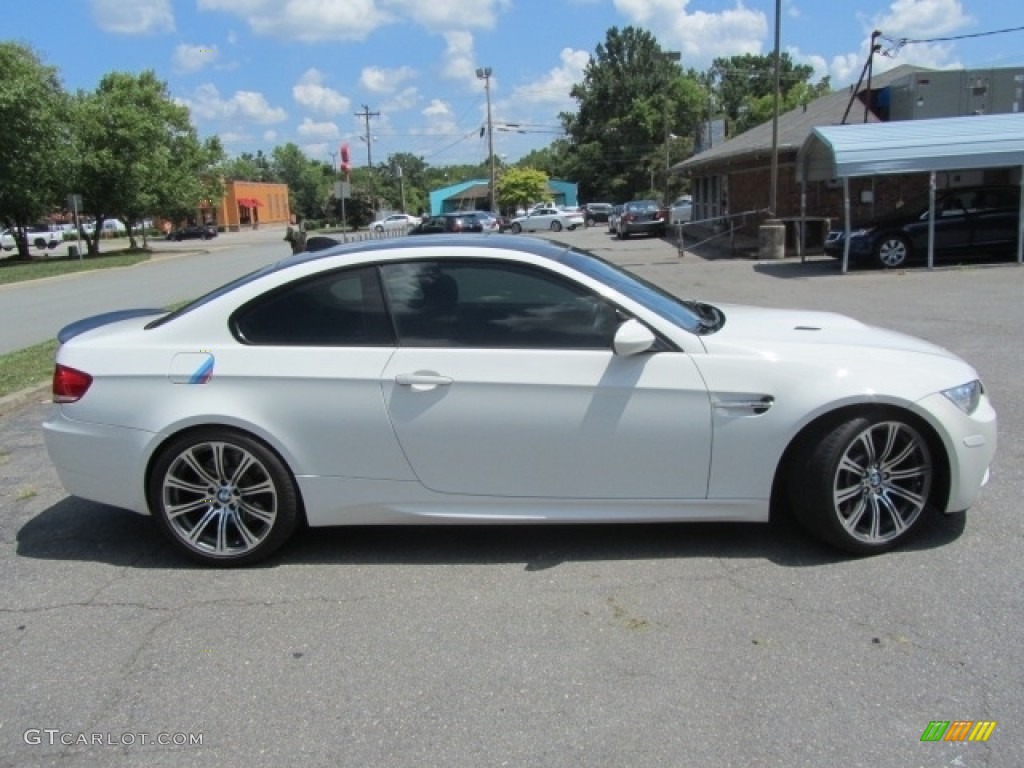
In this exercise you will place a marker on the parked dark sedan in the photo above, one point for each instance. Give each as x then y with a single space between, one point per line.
448 222
969 222
596 212
193 232
644 217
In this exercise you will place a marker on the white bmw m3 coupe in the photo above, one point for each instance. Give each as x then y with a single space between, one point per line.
500 379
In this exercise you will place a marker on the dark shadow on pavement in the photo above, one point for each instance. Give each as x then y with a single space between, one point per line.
77 530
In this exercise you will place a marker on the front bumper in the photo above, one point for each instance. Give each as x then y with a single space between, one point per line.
970 444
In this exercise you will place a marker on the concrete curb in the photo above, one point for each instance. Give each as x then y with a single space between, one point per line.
17 400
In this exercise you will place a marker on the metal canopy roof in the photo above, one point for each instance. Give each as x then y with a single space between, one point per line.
912 146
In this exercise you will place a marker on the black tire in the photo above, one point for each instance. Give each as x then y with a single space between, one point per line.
556 226
892 251
378 229
237 502
516 228
622 235
863 485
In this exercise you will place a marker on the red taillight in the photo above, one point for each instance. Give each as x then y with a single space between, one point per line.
69 384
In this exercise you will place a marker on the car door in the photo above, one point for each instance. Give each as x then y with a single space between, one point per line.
996 215
504 384
952 226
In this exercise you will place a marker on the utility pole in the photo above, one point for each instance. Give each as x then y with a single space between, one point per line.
484 73
773 192
366 115
673 56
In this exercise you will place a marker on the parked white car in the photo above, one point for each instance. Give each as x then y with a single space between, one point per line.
496 379
681 211
396 221
37 238
552 219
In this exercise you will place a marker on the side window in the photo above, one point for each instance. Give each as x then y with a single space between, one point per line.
491 304
343 308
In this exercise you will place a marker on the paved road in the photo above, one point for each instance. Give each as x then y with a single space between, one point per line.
705 645
33 312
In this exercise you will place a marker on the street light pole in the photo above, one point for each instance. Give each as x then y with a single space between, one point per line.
484 73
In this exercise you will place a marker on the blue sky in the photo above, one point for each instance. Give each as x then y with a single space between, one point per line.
259 73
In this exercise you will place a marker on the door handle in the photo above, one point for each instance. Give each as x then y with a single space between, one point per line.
422 382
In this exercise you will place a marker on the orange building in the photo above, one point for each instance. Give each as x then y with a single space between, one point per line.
248 204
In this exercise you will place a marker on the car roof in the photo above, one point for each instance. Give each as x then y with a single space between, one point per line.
532 245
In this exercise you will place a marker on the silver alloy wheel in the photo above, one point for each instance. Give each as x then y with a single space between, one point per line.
556 226
882 483
219 499
892 251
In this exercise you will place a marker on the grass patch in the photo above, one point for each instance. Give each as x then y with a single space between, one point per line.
34 365
14 271
26 367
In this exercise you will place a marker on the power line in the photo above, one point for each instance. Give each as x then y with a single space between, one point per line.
897 43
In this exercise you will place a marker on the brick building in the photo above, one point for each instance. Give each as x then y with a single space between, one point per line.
248 205
734 177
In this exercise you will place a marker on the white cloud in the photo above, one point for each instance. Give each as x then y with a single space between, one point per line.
406 99
922 18
270 136
192 58
244 106
141 18
311 93
700 36
307 20
554 87
440 118
458 62
228 138
322 131
440 15
317 150
381 80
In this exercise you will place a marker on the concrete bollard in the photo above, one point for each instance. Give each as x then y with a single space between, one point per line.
772 240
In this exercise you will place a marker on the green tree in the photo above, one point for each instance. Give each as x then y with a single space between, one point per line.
308 184
136 152
632 98
518 187
744 87
33 140
248 167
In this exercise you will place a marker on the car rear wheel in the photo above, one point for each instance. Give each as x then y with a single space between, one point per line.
892 251
864 485
222 497
556 226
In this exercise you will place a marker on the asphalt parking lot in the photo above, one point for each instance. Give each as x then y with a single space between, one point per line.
670 645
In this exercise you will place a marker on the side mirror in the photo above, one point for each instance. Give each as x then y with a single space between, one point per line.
632 338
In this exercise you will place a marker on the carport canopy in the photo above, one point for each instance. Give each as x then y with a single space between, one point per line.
913 146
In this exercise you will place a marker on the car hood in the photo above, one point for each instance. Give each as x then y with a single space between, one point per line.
828 333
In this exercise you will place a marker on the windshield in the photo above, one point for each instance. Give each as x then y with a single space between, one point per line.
688 315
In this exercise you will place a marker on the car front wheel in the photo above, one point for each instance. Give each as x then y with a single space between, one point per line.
892 251
864 485
556 226
516 228
222 497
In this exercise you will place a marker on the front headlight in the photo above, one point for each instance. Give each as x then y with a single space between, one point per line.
966 397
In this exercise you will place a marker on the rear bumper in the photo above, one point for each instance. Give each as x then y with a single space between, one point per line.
99 462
